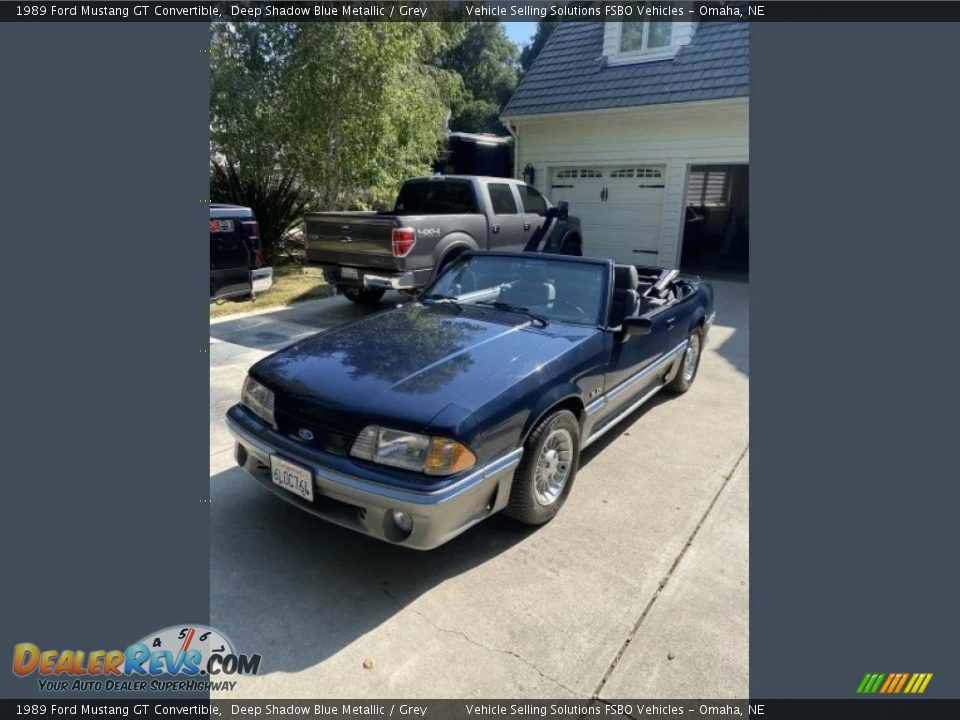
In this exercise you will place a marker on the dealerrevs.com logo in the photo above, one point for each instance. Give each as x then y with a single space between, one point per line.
177 658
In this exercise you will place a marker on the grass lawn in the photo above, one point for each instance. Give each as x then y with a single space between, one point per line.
290 286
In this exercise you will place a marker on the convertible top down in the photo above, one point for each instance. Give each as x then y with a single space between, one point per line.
415 423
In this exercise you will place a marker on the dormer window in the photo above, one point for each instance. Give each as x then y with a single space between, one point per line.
657 38
639 37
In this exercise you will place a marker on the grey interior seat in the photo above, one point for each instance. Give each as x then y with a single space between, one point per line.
626 300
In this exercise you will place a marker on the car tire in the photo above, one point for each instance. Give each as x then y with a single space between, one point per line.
689 365
542 482
361 296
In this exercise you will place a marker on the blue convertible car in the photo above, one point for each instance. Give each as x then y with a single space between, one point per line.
417 422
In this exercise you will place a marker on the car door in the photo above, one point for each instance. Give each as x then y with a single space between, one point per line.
506 222
534 209
639 362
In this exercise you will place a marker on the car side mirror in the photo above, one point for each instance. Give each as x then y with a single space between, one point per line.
636 325
563 209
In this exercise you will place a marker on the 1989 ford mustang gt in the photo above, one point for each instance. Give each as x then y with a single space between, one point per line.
417 422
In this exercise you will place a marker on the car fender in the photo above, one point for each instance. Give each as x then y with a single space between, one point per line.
558 395
705 304
697 318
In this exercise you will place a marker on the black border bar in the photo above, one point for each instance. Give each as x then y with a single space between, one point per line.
505 11
915 709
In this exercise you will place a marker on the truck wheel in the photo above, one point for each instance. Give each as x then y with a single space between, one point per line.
361 296
544 477
689 365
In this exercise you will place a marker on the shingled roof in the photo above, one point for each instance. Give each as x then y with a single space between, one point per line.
569 74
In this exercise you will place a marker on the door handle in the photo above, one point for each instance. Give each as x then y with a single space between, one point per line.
526 226
671 321
495 229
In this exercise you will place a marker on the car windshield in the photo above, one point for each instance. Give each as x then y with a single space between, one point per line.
547 289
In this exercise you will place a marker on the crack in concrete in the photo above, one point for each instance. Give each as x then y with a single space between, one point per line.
666 578
479 644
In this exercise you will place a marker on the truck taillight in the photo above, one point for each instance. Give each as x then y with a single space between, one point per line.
403 241
251 228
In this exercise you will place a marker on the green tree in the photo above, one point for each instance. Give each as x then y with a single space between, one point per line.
366 107
249 63
530 52
486 59
351 108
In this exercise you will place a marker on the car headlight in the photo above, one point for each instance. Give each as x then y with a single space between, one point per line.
412 451
259 400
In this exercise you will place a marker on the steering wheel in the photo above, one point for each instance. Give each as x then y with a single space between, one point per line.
576 308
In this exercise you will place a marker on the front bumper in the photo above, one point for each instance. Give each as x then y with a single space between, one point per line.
343 495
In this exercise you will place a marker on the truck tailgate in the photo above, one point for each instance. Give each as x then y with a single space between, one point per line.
357 239
229 260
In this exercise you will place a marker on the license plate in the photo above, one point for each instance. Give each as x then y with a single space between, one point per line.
292 477
349 273
218 226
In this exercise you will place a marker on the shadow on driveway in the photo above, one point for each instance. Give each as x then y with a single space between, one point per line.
283 579
278 328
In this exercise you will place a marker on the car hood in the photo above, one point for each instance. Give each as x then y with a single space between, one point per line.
409 363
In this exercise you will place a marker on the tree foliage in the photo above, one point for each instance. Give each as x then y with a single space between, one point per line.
368 107
487 61
530 52
347 111
351 108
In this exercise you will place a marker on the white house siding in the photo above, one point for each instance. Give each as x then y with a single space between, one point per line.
676 136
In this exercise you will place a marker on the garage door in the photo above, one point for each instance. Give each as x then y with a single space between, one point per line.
619 208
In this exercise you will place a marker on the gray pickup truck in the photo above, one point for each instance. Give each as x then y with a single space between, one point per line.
434 220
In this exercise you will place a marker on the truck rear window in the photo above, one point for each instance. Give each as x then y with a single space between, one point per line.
436 198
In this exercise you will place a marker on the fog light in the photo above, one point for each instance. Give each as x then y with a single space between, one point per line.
403 521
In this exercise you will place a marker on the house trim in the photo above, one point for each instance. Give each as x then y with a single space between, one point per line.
720 102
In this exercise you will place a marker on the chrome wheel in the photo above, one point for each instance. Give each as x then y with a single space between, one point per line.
691 357
553 466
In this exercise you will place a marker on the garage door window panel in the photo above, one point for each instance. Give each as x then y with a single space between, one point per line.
620 208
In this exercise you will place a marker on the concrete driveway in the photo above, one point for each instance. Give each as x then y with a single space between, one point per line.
637 589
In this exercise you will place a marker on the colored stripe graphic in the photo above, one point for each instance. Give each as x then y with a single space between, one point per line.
894 683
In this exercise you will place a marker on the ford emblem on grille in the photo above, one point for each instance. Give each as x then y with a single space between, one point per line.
305 434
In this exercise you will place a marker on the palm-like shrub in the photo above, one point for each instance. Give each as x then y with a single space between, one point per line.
275 196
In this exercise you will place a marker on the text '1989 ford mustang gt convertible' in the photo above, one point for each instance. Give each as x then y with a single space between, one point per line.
417 422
